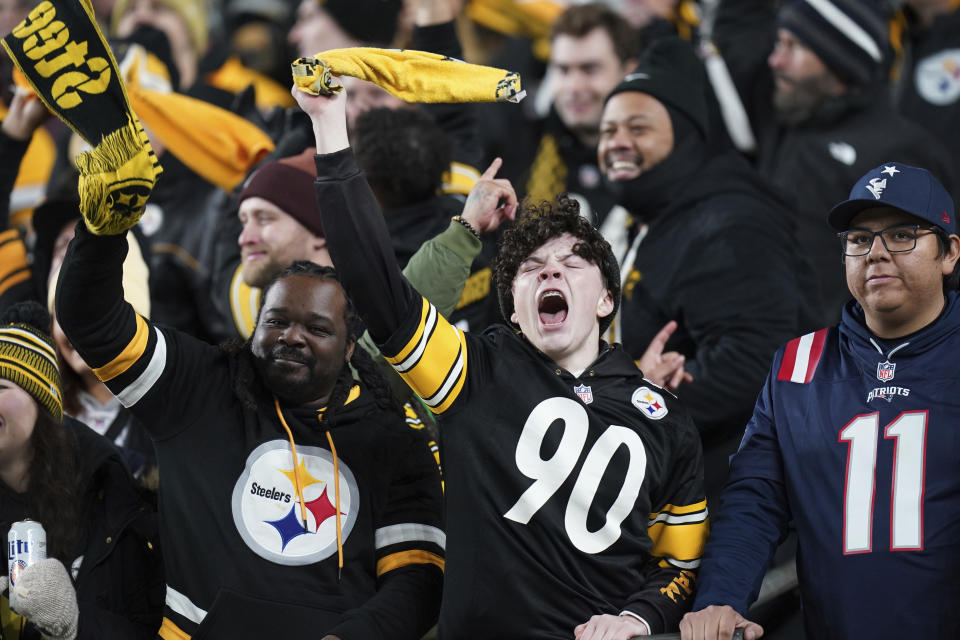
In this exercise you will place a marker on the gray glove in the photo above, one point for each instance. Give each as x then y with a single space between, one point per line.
45 596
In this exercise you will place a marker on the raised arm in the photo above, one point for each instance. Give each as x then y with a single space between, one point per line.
397 316
142 365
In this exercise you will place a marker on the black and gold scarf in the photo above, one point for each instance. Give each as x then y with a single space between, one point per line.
66 60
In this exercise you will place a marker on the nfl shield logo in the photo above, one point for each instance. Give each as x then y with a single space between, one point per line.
585 393
885 371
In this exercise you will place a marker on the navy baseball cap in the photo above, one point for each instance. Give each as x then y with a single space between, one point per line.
910 189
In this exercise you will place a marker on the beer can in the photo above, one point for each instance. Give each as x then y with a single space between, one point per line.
26 545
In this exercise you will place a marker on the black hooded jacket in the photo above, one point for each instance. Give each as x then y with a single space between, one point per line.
719 258
118 574
253 540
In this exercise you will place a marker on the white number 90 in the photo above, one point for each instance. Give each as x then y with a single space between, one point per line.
550 474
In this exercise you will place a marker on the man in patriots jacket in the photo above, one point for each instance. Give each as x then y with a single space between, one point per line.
854 439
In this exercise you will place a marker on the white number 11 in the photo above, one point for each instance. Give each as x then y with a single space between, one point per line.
906 512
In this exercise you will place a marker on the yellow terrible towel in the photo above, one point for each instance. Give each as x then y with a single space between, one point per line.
414 76
216 144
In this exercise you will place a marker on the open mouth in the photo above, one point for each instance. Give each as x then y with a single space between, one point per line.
552 308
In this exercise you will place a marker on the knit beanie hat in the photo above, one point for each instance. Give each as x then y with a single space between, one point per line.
670 71
849 36
28 357
372 22
288 183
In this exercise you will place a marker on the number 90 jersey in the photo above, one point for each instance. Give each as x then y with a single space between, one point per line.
566 497
857 440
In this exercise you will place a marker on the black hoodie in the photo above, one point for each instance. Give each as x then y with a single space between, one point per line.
252 540
718 257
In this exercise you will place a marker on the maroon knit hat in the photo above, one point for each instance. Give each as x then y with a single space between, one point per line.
288 183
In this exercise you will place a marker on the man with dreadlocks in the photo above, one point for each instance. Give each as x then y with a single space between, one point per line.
574 487
294 501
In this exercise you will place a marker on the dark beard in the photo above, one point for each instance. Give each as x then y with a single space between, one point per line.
805 103
293 389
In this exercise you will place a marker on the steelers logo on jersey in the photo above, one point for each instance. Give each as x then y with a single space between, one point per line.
938 77
649 402
270 516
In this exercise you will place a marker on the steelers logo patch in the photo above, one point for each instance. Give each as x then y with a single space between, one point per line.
270 516
649 402
938 77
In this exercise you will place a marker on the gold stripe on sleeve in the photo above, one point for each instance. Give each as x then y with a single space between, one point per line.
405 558
170 631
415 339
131 353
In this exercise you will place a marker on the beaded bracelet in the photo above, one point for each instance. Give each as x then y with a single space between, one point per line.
468 226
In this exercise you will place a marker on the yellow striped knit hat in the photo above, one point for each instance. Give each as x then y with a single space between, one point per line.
28 358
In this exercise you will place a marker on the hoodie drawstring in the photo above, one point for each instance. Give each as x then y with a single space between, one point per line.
892 351
336 486
336 477
296 463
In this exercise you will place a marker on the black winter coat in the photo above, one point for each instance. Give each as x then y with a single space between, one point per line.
720 259
118 574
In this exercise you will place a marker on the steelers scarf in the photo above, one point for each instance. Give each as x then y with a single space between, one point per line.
63 55
414 76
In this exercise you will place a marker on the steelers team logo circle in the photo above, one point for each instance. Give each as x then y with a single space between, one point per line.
649 402
937 77
271 518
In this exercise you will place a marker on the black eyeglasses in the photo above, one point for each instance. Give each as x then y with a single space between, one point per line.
899 238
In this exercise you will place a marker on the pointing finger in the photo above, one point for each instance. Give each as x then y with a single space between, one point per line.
491 171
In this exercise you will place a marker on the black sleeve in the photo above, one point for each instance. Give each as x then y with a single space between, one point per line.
11 155
142 365
360 246
744 32
405 606
16 276
409 567
427 351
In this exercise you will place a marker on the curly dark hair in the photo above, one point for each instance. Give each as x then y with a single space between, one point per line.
537 223
403 153
249 388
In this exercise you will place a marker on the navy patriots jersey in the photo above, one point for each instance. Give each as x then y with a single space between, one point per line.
857 440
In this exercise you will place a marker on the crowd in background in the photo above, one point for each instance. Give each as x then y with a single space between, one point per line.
717 218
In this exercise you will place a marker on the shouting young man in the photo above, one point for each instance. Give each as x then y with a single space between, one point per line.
574 487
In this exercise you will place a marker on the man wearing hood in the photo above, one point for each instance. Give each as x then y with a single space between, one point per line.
713 249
